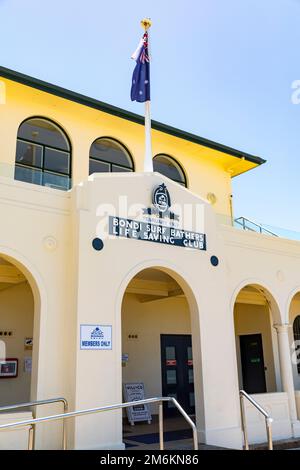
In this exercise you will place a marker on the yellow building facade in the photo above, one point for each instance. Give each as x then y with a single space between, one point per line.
109 275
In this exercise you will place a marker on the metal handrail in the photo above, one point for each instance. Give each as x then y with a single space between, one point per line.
241 221
32 427
147 401
268 419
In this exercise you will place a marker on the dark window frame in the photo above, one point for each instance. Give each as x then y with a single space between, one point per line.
176 164
296 332
42 169
126 151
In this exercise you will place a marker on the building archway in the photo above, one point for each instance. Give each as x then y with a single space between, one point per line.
255 313
161 339
20 305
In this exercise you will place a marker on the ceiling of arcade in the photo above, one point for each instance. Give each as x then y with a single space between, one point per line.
153 284
251 295
10 275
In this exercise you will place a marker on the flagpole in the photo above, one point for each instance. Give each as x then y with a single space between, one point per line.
148 160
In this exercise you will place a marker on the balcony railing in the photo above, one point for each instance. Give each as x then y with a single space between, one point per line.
248 224
35 176
243 223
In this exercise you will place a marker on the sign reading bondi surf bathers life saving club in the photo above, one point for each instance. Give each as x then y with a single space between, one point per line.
157 232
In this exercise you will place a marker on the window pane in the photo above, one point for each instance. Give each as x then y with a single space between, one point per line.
29 154
168 167
98 167
28 175
110 151
55 160
43 132
119 169
56 181
191 376
170 352
190 353
171 377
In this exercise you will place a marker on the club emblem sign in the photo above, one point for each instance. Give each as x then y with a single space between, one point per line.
159 224
161 198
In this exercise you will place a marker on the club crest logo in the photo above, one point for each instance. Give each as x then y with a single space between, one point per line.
97 333
161 198
160 208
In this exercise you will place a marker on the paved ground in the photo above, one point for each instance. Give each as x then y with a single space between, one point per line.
179 428
176 428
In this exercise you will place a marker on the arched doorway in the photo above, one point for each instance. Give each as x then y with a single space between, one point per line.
255 312
161 342
18 374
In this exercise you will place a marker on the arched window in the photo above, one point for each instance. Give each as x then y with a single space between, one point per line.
43 154
108 155
296 329
169 167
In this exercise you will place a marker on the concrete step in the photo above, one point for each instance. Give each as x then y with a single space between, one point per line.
284 444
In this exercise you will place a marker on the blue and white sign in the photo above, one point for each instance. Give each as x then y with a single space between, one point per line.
97 337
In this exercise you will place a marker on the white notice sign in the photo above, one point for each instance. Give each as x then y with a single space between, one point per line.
97 337
135 392
27 364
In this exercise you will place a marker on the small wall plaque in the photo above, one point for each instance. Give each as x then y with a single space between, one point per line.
8 368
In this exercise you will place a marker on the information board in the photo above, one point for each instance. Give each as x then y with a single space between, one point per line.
135 392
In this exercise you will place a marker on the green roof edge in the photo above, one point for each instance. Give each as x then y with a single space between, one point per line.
122 113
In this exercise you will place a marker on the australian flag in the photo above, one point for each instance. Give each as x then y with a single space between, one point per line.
140 88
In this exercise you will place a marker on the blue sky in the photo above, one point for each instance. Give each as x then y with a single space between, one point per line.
221 69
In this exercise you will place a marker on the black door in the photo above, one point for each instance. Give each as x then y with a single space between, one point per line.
253 368
177 372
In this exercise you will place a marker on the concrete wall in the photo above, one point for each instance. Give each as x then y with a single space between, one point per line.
36 238
102 281
15 439
277 405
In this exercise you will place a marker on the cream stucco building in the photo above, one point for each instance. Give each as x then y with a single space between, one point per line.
198 307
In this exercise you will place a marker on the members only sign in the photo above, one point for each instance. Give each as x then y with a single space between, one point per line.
150 232
95 337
